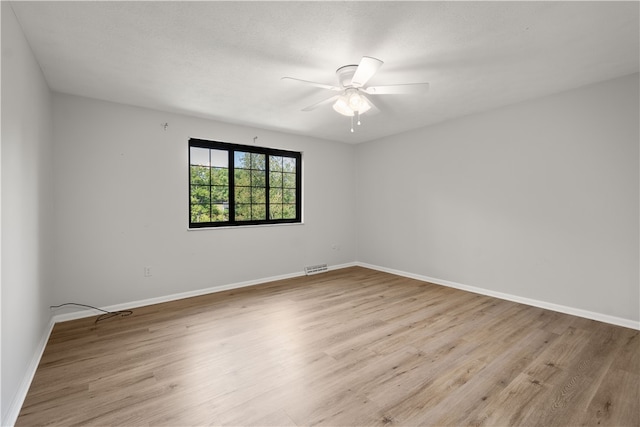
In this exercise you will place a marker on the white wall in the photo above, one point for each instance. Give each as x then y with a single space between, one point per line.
27 206
537 200
122 204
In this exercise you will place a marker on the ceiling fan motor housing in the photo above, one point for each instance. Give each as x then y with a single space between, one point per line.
345 75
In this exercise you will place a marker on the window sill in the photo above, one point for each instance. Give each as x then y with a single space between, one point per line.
235 227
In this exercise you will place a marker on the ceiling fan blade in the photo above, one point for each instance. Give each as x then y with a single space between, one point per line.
366 69
321 85
321 103
409 88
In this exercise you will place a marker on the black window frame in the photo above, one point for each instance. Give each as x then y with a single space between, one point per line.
231 149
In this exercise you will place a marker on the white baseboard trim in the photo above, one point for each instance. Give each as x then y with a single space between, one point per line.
174 297
627 323
341 266
12 413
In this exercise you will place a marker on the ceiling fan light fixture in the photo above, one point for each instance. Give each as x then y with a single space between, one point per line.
355 101
342 106
365 105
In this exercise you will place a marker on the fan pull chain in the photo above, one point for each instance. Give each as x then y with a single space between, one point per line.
351 124
358 113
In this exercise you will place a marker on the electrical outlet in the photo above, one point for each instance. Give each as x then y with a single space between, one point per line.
147 271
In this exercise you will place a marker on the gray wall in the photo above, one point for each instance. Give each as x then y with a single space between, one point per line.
537 200
27 208
122 204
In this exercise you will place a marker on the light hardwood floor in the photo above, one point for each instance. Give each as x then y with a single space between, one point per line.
344 348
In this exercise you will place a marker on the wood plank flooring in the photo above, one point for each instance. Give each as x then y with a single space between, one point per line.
345 348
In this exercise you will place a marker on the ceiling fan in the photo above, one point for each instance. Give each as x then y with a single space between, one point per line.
353 97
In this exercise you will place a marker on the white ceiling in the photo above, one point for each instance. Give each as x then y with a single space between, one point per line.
224 60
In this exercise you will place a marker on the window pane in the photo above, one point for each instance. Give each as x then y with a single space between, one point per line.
275 179
275 163
243 177
199 156
288 211
200 194
243 194
220 176
258 212
258 195
200 175
289 164
275 195
275 211
219 194
242 160
288 196
258 161
243 212
258 178
289 180
220 158
200 213
219 213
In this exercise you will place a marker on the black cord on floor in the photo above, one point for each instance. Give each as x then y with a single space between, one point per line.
106 314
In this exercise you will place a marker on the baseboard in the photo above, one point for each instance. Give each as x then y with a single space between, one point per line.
14 408
341 266
627 323
174 297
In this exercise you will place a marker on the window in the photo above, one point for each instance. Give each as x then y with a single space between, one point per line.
231 184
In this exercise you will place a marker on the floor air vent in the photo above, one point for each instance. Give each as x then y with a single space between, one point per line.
315 269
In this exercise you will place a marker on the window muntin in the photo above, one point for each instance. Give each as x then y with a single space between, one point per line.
232 184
